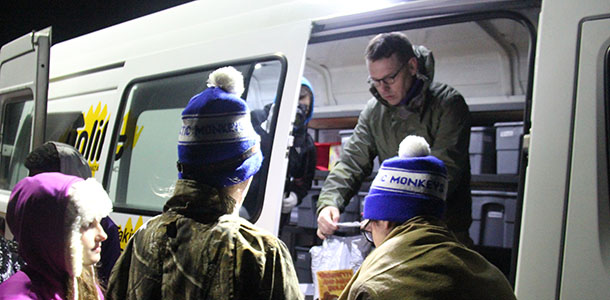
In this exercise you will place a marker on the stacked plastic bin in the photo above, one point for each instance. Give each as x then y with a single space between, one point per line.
493 218
482 150
508 137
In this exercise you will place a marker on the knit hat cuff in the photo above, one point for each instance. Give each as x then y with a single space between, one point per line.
400 208
426 183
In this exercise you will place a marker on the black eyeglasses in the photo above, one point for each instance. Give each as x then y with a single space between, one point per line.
388 80
368 235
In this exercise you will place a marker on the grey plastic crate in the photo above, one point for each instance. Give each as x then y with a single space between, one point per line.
303 264
507 162
493 218
508 137
482 150
482 140
483 163
307 210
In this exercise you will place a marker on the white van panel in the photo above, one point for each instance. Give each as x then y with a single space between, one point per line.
99 115
586 260
547 175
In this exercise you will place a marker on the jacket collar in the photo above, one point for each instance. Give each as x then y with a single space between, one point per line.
199 201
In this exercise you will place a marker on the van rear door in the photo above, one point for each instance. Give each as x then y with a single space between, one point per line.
24 81
586 247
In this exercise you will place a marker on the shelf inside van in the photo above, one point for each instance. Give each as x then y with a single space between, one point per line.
484 111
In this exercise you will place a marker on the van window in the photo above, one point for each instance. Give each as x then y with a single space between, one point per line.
144 169
63 126
15 143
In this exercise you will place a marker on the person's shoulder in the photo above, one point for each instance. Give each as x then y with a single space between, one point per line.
242 231
445 97
372 107
18 286
444 92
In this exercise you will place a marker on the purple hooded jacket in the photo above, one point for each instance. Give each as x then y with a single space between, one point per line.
36 212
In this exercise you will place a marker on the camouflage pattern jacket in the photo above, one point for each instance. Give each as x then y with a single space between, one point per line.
194 250
421 259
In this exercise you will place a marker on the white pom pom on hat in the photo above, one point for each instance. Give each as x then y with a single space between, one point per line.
228 79
413 146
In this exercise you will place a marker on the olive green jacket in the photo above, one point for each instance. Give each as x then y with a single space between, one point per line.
422 260
194 250
439 114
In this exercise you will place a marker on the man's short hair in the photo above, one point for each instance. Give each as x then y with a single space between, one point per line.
385 44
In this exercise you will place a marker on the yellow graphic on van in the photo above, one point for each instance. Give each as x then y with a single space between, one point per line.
125 233
90 138
134 131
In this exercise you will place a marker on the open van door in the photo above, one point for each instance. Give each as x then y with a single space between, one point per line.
24 81
586 246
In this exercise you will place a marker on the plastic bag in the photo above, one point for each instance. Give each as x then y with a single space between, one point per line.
337 253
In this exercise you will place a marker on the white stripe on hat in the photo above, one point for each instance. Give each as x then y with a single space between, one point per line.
411 181
216 128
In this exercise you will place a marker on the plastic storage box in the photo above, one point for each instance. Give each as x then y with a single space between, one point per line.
508 137
307 210
493 218
303 264
482 150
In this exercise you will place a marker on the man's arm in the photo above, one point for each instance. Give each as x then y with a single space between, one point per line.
452 140
343 182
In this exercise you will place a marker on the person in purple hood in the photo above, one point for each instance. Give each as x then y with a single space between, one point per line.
55 218
63 158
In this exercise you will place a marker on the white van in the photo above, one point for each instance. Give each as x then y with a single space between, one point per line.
116 95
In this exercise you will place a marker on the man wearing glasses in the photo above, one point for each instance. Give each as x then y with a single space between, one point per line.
406 102
417 257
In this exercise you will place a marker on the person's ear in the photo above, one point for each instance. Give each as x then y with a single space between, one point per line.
412 66
386 225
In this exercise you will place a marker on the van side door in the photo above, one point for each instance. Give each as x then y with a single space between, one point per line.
24 81
585 273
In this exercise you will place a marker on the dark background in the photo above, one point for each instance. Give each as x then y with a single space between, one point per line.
71 18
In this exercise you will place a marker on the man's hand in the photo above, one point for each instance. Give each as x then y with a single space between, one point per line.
327 220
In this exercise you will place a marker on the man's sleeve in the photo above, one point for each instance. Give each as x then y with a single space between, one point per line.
452 140
355 164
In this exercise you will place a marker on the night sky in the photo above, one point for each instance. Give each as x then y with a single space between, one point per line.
71 18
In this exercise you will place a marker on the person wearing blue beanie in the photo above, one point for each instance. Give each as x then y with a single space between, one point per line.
302 156
416 255
200 248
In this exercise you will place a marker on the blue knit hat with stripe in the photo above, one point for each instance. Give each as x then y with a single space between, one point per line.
412 184
217 144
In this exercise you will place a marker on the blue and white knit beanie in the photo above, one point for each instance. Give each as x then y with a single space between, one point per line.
217 143
412 184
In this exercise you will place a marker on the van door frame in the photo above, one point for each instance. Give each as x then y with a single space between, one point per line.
356 29
584 245
31 54
24 76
